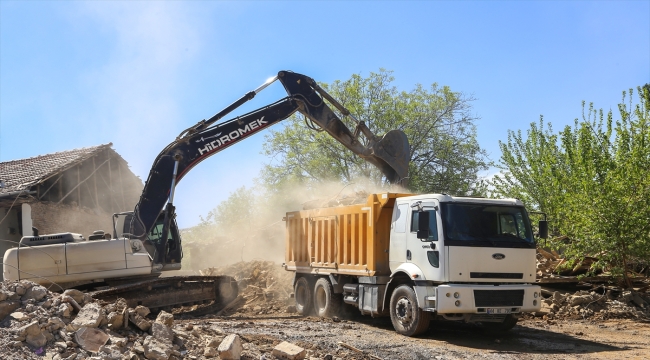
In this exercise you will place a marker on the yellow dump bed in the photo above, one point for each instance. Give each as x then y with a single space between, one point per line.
350 240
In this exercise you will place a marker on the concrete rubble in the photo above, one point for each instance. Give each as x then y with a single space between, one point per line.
36 323
628 304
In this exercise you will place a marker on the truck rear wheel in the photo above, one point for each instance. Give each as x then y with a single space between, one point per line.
303 295
407 318
326 302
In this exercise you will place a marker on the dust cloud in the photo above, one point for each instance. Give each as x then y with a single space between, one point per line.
254 228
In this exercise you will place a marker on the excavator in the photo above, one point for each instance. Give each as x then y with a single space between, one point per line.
146 242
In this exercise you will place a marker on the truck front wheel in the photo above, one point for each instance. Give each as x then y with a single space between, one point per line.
302 293
326 302
407 318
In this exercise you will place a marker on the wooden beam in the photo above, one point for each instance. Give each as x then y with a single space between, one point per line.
119 173
40 197
81 182
95 182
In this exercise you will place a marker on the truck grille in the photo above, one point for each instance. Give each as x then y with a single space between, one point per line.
487 298
488 275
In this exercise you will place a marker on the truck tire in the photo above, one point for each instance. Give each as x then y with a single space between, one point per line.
326 302
407 318
508 323
303 295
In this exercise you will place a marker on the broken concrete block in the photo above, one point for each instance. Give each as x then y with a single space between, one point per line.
289 351
7 307
155 349
162 332
77 295
165 318
142 310
115 320
20 289
230 348
36 292
139 321
91 315
91 339
65 310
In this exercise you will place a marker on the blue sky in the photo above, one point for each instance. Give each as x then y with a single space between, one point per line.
75 74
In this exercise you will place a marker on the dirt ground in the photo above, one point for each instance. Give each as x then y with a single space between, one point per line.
266 319
530 339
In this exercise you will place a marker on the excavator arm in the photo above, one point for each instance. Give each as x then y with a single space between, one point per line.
389 153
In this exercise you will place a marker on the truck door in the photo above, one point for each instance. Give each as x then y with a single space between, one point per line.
397 251
427 254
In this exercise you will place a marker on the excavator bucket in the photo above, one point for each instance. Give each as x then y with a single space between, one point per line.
391 154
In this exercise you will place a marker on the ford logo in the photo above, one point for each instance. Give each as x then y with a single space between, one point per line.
498 256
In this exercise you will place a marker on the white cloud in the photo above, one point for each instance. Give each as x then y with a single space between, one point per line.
135 92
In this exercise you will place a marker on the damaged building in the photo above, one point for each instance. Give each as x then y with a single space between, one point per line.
69 191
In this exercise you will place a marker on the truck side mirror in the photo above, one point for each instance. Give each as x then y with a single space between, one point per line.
423 225
543 229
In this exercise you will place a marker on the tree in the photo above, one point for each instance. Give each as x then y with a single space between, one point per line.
591 179
445 155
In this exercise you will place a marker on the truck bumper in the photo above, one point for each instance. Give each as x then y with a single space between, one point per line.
485 299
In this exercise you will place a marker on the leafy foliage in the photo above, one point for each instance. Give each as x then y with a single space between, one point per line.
445 156
592 179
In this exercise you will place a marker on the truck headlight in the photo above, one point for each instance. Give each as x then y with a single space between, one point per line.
535 294
456 295
457 303
534 302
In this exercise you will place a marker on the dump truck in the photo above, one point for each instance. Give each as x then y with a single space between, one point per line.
415 257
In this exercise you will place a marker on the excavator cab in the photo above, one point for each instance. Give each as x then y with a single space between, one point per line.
171 259
173 254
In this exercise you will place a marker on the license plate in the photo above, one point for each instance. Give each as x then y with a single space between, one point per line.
498 311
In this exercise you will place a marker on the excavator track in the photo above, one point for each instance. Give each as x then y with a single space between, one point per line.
180 295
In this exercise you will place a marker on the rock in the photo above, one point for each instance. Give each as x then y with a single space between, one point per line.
110 352
291 309
36 292
139 321
115 320
55 323
165 318
33 334
20 290
142 310
77 295
7 307
4 295
162 332
65 310
91 315
161 329
213 342
289 351
19 316
30 329
155 349
230 348
91 339
210 352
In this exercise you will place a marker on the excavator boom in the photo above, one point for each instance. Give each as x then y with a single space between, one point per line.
390 153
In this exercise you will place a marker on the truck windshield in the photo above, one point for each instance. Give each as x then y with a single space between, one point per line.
486 225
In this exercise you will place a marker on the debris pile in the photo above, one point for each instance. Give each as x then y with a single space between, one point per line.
611 304
264 286
550 263
36 323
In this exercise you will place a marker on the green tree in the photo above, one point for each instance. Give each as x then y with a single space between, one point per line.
445 155
592 180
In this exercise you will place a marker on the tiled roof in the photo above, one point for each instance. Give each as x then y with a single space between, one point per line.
21 174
